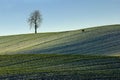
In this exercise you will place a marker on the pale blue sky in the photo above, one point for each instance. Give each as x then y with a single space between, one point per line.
58 15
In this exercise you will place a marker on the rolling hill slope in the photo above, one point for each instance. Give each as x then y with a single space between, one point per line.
103 40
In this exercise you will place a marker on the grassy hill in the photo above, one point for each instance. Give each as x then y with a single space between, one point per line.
69 55
103 40
59 67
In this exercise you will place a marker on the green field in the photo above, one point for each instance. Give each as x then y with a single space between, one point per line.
70 55
103 40
60 67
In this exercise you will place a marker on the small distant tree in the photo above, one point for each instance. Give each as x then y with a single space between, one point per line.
35 20
83 30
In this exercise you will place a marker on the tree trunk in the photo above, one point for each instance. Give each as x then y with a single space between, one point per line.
35 29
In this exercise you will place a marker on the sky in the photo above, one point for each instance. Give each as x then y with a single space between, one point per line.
57 15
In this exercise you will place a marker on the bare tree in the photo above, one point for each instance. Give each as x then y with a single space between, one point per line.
35 20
